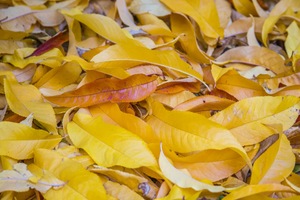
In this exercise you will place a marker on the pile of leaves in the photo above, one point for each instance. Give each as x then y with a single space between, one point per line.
135 99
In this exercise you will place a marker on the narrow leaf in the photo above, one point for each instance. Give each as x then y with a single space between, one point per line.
53 42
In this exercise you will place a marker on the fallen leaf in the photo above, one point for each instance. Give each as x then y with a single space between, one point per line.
20 179
183 27
254 55
154 7
275 164
26 99
204 103
16 137
111 113
53 42
249 123
172 129
250 190
113 146
135 88
182 179
78 180
209 24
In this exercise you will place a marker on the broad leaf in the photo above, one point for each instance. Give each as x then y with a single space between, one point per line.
183 131
248 119
78 180
18 141
26 99
112 114
133 89
111 146
122 54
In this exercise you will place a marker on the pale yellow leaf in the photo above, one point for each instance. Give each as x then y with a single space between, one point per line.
292 41
21 179
149 6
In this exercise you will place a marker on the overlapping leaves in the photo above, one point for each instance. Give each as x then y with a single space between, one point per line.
149 99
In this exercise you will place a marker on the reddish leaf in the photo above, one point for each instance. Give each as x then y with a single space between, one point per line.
53 42
132 89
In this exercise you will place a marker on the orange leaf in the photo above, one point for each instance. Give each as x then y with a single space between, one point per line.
132 89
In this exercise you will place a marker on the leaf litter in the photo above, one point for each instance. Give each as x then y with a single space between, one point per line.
149 99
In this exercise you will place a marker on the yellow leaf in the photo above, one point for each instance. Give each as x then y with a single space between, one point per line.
182 26
102 25
275 164
248 119
275 14
121 191
20 179
183 131
117 71
182 179
294 181
244 7
124 13
111 113
292 41
179 193
52 58
60 77
116 55
256 189
204 13
26 99
78 180
111 146
19 141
